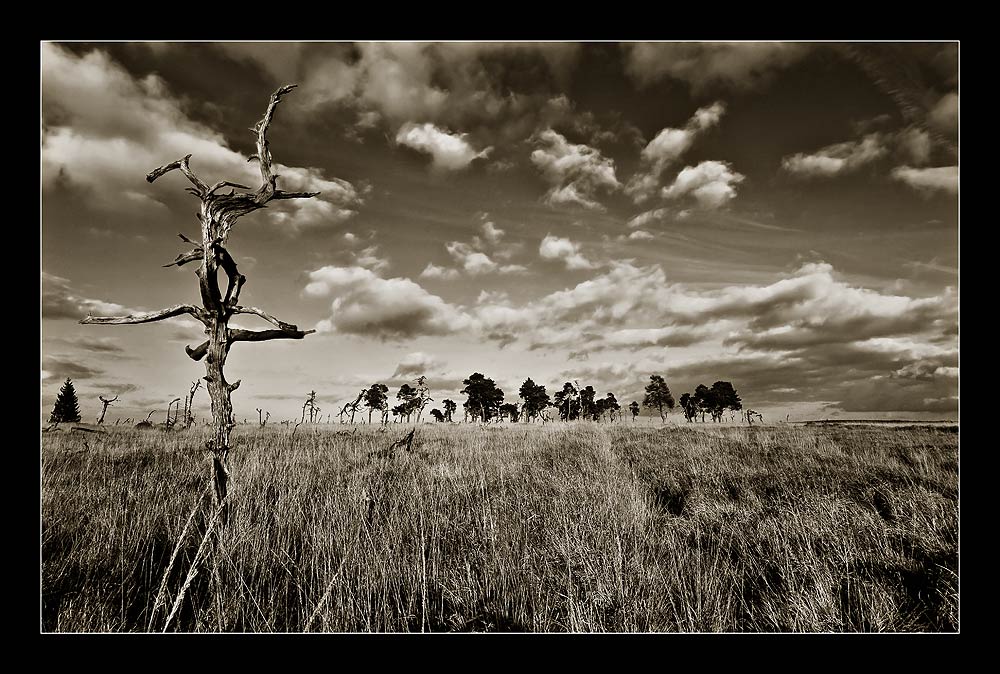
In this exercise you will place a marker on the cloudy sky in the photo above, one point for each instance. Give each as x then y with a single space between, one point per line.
782 216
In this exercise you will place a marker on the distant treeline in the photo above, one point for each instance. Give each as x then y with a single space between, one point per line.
485 402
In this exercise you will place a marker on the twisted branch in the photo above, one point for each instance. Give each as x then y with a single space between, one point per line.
225 183
190 256
148 317
236 335
181 164
266 316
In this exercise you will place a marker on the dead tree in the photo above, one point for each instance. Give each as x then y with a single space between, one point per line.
170 423
146 423
354 406
106 403
189 404
263 419
314 410
218 214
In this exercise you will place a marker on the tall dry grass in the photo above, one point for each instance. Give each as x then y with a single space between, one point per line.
567 527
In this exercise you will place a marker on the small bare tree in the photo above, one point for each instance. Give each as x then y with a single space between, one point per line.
106 403
310 404
218 214
357 402
263 419
189 404
170 423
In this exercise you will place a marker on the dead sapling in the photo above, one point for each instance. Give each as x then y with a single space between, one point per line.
263 419
106 402
406 442
189 404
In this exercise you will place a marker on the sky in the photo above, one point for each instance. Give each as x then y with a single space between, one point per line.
783 216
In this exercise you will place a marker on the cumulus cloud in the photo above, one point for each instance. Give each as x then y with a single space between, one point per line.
470 260
337 202
476 258
647 218
838 158
387 309
435 271
667 147
448 151
558 248
640 235
809 325
477 85
492 233
733 65
59 300
369 258
417 363
104 130
927 180
575 172
711 184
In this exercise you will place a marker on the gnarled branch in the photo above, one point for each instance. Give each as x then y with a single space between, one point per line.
181 164
190 256
278 194
224 183
268 186
265 335
148 317
198 352
267 317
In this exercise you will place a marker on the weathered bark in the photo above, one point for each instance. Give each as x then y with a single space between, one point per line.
148 317
217 216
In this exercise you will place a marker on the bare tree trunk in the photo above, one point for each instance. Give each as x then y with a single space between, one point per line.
106 402
219 391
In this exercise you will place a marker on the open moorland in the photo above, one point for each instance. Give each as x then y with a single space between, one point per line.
579 527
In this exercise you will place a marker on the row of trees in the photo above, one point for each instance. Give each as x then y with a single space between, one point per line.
485 402
714 401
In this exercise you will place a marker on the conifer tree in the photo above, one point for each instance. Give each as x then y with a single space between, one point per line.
67 407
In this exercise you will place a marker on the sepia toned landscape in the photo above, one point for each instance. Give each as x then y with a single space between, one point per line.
523 337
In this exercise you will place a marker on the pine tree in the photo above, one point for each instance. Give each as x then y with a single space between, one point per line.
67 407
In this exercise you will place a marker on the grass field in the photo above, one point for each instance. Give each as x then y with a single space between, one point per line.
563 527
